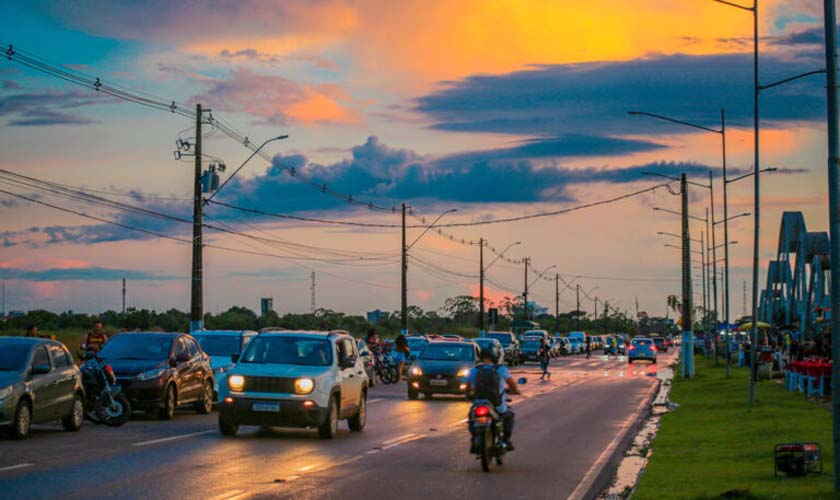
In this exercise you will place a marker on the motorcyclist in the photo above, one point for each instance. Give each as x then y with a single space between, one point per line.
490 361
95 338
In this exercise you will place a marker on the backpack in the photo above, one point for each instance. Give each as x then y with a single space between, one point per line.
487 384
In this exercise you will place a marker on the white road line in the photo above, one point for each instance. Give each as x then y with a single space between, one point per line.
15 467
227 495
371 452
407 440
589 478
375 400
171 438
308 467
405 436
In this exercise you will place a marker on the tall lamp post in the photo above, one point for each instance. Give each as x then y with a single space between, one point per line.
483 269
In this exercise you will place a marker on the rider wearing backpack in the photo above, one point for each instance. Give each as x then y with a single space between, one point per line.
490 381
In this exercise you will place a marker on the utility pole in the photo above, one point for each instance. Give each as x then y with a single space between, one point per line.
3 299
834 216
312 289
596 309
606 317
525 293
577 308
714 266
687 305
756 231
123 296
481 287
744 300
705 280
557 303
197 294
404 301
726 305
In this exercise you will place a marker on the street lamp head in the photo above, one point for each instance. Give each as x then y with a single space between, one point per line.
279 137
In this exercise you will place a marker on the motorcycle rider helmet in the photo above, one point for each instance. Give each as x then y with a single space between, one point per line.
491 352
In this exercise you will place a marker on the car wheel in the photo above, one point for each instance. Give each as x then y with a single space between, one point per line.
73 421
228 427
357 422
205 404
413 393
169 401
23 420
329 428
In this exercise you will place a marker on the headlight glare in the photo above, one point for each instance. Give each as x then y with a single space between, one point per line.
464 372
236 383
304 385
149 375
416 371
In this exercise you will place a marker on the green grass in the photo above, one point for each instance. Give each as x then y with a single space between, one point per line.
715 443
72 338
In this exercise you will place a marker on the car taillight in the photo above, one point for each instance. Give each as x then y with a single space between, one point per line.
631 348
482 411
653 348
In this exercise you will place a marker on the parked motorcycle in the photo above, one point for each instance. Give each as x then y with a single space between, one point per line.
105 402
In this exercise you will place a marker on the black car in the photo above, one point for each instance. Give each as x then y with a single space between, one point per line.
38 383
442 368
160 371
660 344
510 345
530 350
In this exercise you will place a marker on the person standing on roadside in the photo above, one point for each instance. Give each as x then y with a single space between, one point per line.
401 352
545 358
588 347
95 338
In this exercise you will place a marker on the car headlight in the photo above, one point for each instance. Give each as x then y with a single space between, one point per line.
149 375
463 372
5 392
304 385
236 383
416 371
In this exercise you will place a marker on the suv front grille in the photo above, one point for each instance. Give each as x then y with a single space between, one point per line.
270 384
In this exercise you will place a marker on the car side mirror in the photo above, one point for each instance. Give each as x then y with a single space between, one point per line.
40 369
234 357
522 381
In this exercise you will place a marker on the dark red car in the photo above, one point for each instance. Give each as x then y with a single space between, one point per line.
160 371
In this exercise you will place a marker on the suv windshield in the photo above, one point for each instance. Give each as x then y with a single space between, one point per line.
288 350
434 352
219 345
503 338
147 347
531 343
13 356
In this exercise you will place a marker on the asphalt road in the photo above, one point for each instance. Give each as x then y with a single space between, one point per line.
566 431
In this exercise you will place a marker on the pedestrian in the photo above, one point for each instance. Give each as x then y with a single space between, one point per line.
545 359
401 352
94 339
31 331
588 347
614 346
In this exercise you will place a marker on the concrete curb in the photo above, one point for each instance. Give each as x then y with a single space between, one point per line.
602 480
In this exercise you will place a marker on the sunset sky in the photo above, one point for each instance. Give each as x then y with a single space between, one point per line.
494 108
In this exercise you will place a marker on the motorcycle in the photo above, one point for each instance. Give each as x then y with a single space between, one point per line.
486 431
105 402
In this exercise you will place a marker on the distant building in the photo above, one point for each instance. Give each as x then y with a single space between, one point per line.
376 316
266 305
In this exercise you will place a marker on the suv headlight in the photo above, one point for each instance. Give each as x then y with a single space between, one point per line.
415 371
236 383
5 392
463 372
149 375
304 385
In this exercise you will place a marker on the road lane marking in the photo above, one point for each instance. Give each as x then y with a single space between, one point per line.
171 438
590 476
375 400
228 495
415 437
404 436
15 467
308 467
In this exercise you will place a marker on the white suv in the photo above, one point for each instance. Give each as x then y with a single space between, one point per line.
296 379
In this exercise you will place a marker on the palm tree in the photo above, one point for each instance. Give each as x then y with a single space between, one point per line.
674 303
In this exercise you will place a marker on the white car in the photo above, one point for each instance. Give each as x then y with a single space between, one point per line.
296 379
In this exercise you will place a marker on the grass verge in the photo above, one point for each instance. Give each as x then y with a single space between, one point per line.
716 446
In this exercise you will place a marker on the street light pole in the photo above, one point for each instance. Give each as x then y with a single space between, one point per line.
704 279
196 290
687 323
525 292
404 291
714 265
726 241
756 232
557 303
481 287
834 216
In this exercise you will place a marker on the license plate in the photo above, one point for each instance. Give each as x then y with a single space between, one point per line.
275 407
437 382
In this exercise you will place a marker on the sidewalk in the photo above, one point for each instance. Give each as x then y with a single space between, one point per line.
715 443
